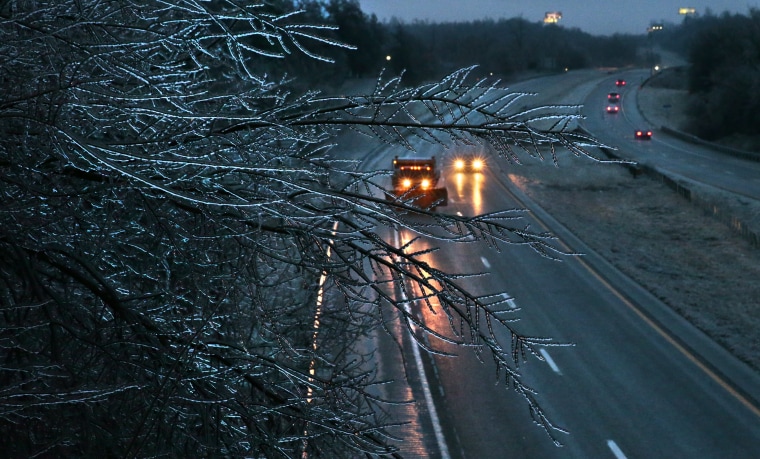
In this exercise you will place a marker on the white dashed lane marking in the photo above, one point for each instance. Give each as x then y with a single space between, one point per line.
510 301
615 449
550 361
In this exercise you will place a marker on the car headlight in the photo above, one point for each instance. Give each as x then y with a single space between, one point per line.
407 183
425 184
459 164
477 164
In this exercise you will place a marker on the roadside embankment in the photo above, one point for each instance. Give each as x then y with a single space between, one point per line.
666 109
696 249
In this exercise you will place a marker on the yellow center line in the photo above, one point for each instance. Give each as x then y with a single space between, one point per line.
721 381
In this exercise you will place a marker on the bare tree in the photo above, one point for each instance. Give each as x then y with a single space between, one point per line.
174 225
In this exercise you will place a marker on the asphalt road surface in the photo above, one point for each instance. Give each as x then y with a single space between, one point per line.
628 387
674 157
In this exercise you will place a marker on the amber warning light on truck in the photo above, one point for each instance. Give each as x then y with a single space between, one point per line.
417 180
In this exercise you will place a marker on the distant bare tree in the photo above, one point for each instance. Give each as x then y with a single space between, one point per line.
170 218
724 57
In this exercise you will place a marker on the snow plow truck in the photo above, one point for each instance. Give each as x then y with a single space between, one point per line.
418 180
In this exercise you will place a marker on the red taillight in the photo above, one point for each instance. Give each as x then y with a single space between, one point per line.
644 134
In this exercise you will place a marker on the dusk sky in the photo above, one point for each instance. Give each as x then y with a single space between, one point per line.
598 17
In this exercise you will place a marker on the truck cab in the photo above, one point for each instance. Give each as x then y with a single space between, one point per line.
419 180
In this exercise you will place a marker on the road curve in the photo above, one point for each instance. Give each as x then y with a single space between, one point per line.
667 154
635 383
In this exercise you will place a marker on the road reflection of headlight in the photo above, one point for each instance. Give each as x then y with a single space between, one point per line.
477 194
425 184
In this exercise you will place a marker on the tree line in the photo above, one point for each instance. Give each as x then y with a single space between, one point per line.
503 48
724 72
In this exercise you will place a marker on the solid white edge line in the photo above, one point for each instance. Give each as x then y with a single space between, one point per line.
616 449
549 360
434 419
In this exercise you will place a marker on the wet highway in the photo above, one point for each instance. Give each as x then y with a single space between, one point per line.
634 383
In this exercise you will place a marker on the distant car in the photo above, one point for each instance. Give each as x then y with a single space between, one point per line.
620 82
643 134
613 97
613 109
469 163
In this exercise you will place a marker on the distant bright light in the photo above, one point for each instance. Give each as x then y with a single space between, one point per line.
687 10
597 17
388 57
552 17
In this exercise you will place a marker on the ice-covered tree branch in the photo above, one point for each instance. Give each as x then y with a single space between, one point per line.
168 205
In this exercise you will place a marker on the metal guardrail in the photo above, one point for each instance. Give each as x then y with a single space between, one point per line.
691 194
744 154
